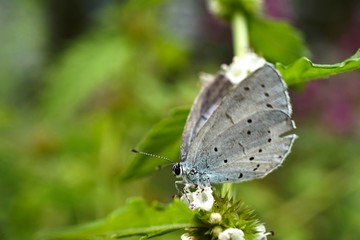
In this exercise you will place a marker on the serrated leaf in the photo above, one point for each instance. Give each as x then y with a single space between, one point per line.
277 41
136 218
163 139
303 69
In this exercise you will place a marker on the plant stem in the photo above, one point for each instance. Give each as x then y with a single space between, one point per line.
241 46
240 35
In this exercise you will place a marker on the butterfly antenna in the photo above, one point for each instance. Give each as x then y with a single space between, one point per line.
157 168
152 155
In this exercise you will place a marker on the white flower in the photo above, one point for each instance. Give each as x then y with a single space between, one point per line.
232 234
261 232
187 200
240 68
215 218
201 198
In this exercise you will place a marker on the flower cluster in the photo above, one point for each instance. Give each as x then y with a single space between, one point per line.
221 218
201 198
240 68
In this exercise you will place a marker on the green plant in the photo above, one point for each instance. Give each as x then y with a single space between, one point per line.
250 29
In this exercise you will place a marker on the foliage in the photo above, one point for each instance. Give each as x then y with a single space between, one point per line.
68 120
139 218
110 53
277 40
234 214
166 134
303 69
136 218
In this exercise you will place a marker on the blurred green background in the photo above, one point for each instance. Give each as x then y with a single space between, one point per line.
81 82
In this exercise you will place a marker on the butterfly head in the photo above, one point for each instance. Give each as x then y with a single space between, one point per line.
177 170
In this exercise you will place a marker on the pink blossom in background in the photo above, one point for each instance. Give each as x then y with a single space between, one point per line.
279 9
349 42
340 115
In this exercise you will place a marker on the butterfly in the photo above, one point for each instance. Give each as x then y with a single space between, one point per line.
236 133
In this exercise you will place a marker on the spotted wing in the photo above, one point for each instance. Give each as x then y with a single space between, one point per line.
246 136
206 102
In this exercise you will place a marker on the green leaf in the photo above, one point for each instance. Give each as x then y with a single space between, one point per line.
303 69
163 139
81 70
136 218
277 41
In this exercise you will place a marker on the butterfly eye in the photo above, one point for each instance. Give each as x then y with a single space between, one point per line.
176 169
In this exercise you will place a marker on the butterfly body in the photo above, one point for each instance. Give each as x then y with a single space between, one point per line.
236 133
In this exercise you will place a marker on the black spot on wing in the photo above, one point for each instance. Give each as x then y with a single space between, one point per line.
257 166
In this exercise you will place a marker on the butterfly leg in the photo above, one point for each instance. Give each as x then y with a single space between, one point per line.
176 185
208 183
184 189
187 186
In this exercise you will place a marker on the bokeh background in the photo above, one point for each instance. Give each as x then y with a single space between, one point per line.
81 82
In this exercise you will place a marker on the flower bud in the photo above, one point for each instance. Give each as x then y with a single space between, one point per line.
215 218
217 230
240 68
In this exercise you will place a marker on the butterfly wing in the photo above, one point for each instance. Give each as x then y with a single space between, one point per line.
206 102
245 137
